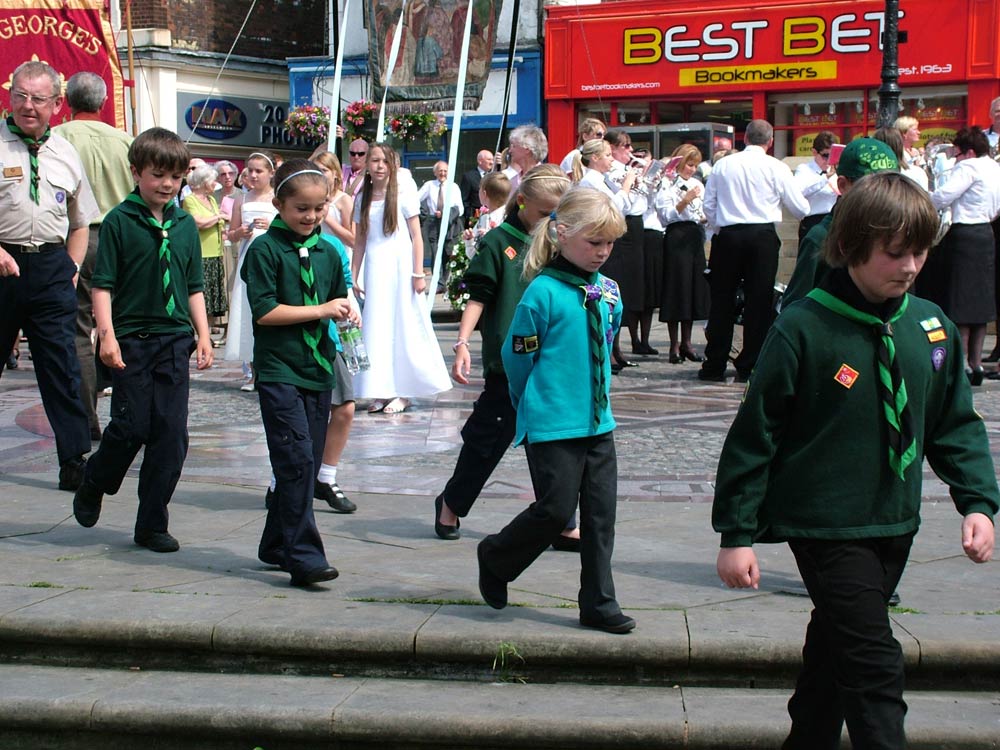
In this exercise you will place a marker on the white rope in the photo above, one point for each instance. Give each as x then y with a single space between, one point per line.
393 55
337 73
456 129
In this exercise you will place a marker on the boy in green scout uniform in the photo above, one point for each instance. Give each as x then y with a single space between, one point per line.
855 386
148 302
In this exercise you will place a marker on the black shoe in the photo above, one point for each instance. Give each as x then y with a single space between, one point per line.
157 541
566 544
742 377
491 588
690 356
444 532
615 368
711 377
334 497
894 599
71 474
269 498
675 359
316 575
619 623
87 504
976 376
12 361
993 356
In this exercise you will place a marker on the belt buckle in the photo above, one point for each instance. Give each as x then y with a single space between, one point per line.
31 247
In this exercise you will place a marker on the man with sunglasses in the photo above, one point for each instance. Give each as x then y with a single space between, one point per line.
104 153
46 207
816 179
354 172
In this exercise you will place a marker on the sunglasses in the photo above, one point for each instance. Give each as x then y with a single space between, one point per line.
825 154
358 153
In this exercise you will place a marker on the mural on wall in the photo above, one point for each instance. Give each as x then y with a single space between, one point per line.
430 49
70 37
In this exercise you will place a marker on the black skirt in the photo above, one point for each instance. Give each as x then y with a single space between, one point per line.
685 294
958 275
625 265
652 277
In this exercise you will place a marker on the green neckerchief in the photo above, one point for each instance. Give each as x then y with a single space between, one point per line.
163 253
592 294
313 338
902 445
33 144
515 232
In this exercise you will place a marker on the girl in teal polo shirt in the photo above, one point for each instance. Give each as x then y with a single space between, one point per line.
556 356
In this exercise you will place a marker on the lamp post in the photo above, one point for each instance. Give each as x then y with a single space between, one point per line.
888 92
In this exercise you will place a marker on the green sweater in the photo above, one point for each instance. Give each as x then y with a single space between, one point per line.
271 273
494 279
128 265
806 456
810 268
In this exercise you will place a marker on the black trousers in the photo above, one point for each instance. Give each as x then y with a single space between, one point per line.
852 667
149 407
746 253
42 303
295 422
84 327
486 436
564 473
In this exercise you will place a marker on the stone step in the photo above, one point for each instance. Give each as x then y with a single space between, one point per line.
48 707
87 628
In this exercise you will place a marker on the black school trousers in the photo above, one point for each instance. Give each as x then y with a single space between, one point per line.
746 253
42 303
149 407
295 422
852 667
563 474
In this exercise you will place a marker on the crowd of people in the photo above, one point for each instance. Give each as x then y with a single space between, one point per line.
162 247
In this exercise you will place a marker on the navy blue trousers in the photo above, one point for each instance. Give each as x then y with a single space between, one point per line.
42 303
149 407
295 422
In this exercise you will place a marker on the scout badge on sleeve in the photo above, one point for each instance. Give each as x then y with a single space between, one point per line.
524 344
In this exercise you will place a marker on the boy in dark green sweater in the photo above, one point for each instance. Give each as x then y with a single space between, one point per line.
855 385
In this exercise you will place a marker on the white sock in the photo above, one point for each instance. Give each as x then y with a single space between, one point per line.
274 484
327 474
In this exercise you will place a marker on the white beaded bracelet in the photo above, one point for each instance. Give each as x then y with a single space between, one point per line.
417 275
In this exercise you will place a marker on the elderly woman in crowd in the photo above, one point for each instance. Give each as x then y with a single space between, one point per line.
204 209
225 194
528 148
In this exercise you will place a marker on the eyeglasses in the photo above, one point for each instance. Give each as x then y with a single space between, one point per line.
598 135
825 154
227 174
19 97
358 153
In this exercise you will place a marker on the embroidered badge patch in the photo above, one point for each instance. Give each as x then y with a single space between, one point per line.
846 376
10 173
938 334
510 252
937 357
60 196
930 324
524 344
610 290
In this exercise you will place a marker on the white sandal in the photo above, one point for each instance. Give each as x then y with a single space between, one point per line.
397 406
376 406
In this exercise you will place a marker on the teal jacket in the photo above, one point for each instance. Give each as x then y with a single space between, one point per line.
547 359
807 455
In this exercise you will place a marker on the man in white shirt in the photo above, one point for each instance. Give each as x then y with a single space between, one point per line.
743 201
816 179
993 131
437 197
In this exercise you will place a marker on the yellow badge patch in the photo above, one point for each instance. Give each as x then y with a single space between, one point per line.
11 172
510 252
937 335
846 376
524 344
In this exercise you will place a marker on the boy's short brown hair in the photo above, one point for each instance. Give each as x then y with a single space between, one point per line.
159 148
496 186
879 208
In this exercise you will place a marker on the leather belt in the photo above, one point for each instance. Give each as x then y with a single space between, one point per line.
33 247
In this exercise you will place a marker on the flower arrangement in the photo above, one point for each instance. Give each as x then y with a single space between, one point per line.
309 122
457 290
360 119
410 126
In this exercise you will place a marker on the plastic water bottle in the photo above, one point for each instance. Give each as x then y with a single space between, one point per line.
355 354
